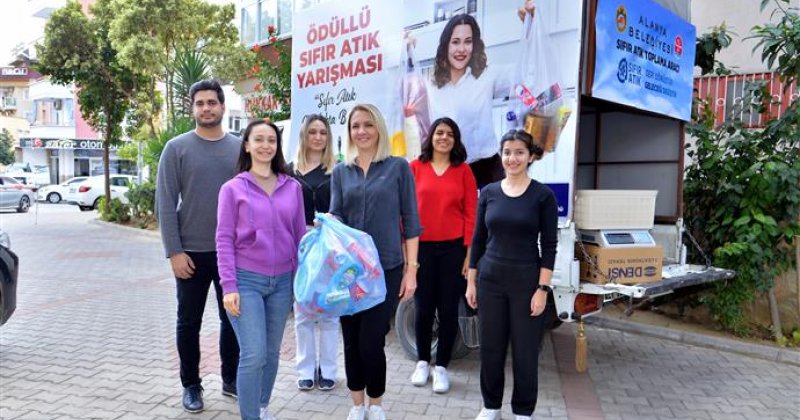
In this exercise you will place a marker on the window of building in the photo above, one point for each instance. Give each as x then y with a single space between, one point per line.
258 15
249 25
735 106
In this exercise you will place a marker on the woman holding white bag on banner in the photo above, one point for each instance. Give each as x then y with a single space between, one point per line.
463 87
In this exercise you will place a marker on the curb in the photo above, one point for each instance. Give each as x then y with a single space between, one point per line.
143 232
759 351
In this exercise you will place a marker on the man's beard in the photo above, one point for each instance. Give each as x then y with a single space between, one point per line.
211 124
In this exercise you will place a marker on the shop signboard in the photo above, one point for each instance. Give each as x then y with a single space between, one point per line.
77 144
644 57
346 53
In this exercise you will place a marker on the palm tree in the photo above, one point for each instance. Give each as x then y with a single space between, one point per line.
190 66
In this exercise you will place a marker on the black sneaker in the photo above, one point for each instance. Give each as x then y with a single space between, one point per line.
305 384
326 384
229 390
193 398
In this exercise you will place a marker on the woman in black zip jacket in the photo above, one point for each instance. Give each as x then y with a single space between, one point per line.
312 168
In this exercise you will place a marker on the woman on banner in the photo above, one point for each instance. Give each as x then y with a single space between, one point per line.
374 192
463 87
447 198
260 207
314 164
509 279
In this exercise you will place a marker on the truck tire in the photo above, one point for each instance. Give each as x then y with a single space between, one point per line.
404 328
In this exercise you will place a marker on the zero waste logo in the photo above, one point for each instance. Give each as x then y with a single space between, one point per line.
622 70
622 19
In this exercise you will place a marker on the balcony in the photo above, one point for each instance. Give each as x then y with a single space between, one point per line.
8 103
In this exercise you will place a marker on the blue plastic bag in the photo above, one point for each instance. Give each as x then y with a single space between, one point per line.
339 271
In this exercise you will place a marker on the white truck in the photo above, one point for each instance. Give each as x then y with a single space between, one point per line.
623 135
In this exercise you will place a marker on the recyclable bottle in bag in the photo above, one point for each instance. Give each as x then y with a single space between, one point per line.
339 271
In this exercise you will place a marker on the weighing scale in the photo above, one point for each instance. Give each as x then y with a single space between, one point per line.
622 238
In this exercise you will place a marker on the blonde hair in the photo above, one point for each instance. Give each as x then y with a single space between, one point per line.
384 148
328 158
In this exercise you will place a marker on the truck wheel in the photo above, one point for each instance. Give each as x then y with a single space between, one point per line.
404 327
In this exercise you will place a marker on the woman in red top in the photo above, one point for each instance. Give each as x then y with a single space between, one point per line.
447 197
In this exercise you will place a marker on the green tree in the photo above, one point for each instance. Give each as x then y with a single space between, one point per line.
149 34
742 190
77 50
190 67
6 148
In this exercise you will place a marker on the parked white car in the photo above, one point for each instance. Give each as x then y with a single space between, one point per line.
86 195
14 195
29 174
56 193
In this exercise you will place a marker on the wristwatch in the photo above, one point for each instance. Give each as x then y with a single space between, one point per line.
414 264
546 287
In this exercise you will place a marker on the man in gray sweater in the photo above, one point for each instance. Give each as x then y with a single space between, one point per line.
192 169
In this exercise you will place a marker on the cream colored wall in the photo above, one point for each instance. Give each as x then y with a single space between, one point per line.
18 127
740 16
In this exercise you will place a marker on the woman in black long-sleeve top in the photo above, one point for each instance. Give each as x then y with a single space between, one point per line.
515 217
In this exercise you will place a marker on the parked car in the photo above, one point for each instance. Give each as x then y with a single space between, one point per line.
15 195
28 174
9 269
87 193
55 193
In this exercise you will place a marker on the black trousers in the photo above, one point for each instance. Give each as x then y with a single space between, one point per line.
504 305
364 336
440 287
487 170
192 294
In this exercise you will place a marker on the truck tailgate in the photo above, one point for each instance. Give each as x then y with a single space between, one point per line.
674 279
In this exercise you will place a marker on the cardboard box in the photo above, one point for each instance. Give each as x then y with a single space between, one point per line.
622 265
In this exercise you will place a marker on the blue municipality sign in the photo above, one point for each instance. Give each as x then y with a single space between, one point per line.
644 57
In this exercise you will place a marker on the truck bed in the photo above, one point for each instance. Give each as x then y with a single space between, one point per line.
676 277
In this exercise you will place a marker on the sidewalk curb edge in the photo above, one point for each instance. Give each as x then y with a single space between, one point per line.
779 355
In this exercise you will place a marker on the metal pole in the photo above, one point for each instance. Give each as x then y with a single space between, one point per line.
139 164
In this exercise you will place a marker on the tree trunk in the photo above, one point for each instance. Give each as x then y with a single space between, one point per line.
154 111
106 164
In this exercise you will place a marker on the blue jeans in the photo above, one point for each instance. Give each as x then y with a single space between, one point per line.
264 302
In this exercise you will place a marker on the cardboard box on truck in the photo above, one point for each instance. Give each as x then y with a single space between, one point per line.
622 265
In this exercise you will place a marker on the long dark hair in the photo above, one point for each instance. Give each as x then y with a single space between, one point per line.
477 62
457 155
278 163
533 148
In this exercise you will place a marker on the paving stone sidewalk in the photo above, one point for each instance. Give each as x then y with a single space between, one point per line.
93 337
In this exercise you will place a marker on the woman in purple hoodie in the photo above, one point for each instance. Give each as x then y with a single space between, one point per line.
260 222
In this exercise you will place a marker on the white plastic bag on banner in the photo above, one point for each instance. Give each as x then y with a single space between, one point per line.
411 123
537 104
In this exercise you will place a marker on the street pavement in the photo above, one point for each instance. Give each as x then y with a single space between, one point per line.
93 337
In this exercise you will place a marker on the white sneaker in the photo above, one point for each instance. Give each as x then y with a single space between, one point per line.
421 373
357 412
519 417
376 413
441 383
265 415
488 414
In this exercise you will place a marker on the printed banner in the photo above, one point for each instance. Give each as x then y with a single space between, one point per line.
343 54
644 57
476 62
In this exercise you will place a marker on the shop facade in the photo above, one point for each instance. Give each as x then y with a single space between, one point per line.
67 158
